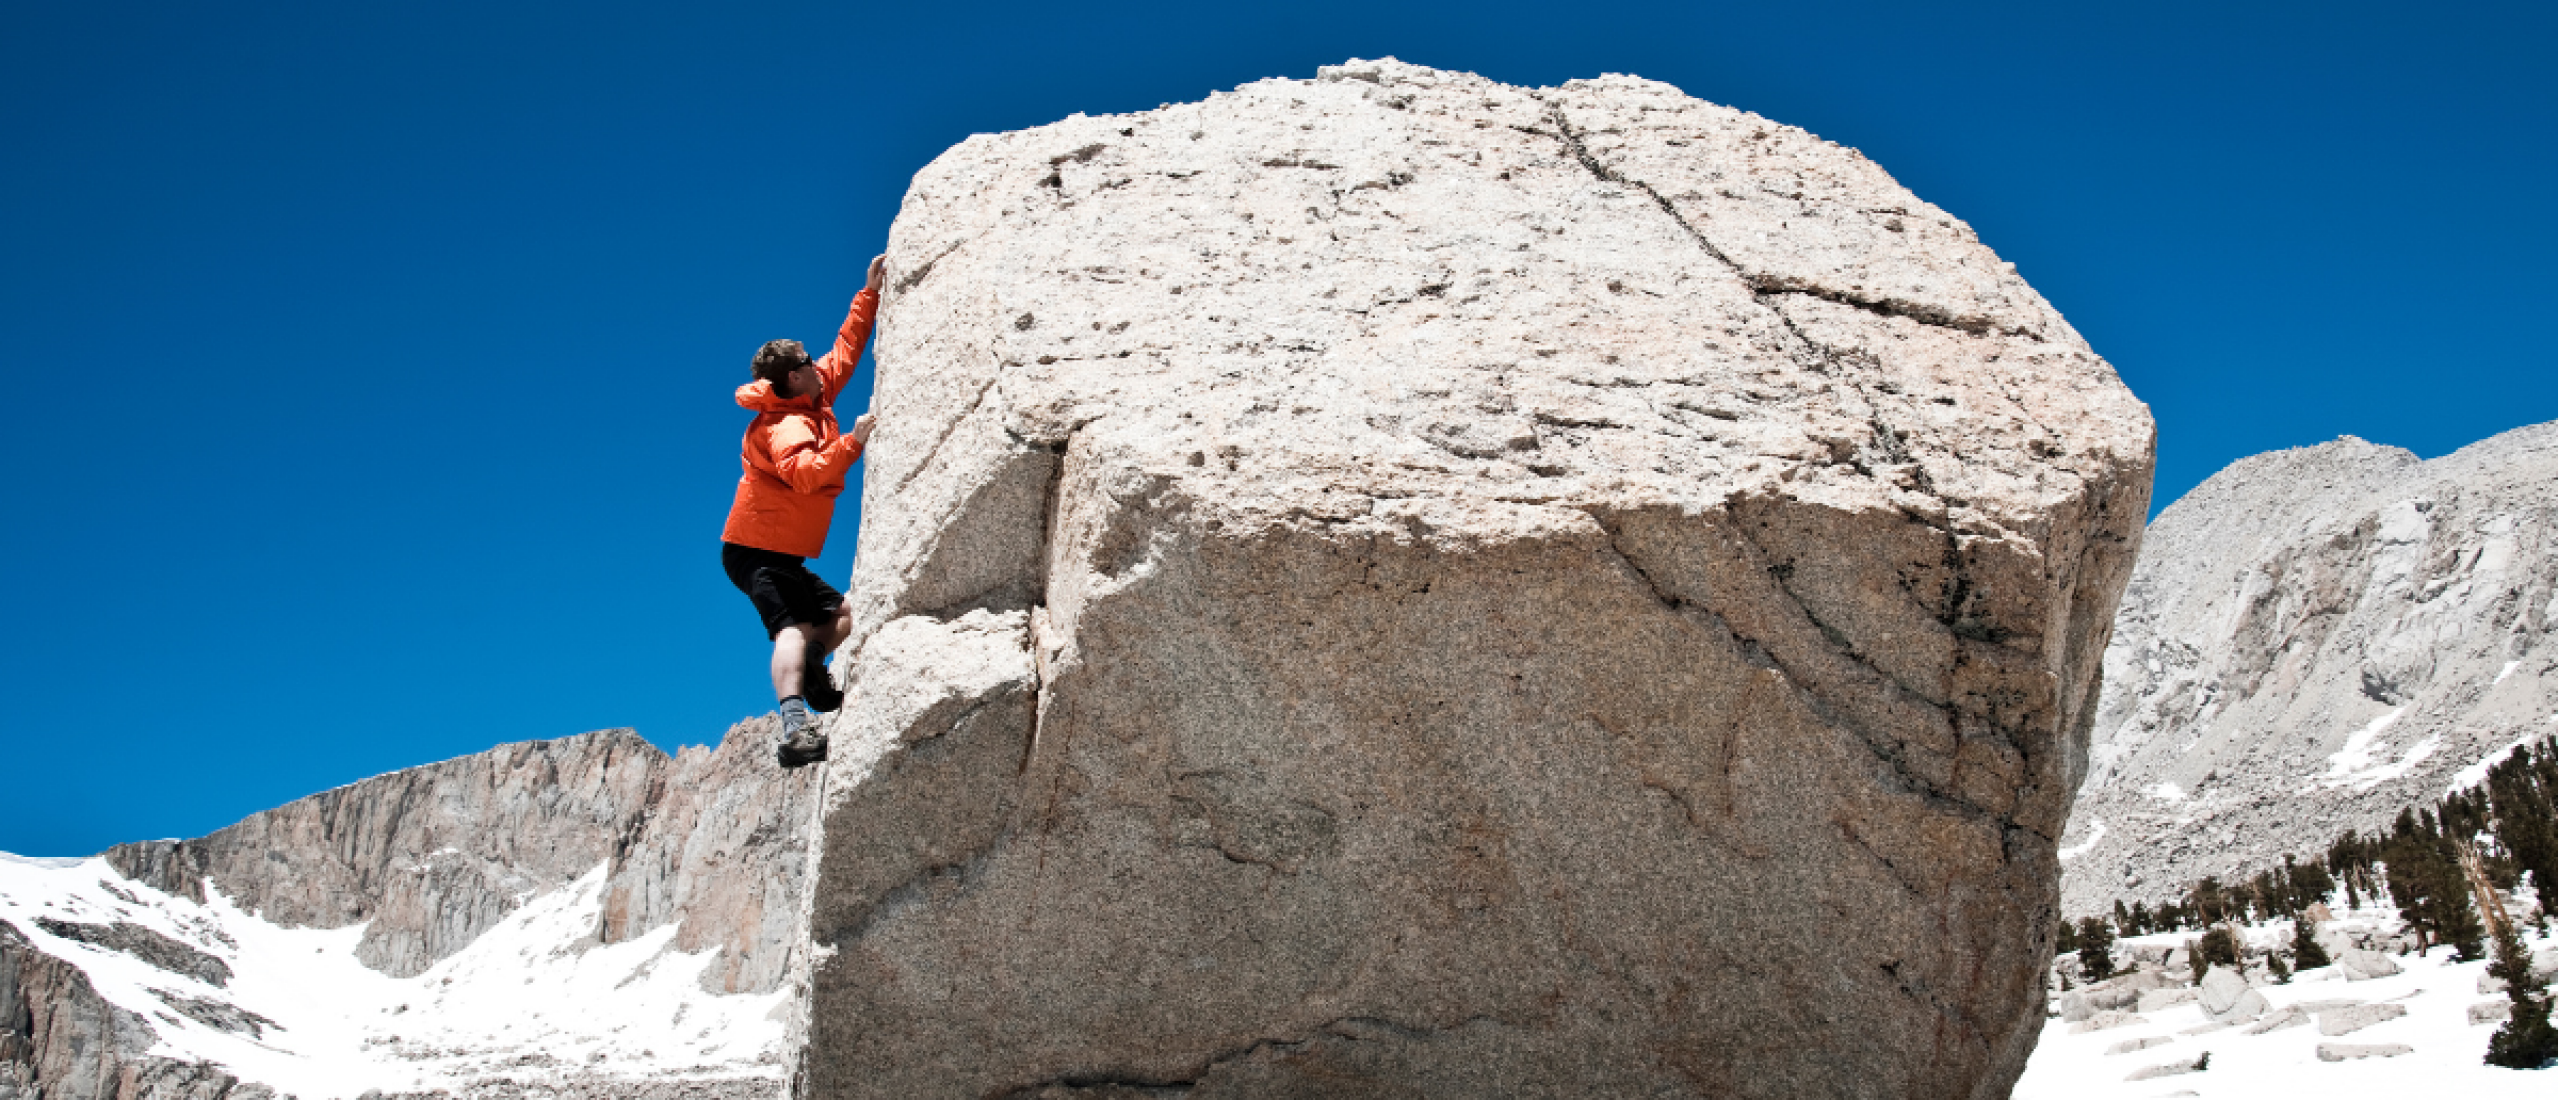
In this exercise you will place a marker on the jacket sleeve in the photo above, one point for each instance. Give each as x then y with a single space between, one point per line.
807 465
836 369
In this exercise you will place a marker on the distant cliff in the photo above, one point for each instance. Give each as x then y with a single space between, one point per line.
594 858
2315 638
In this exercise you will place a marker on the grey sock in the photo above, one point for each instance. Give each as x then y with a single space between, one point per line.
795 714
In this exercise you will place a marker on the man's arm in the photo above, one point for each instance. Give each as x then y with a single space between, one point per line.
806 465
836 369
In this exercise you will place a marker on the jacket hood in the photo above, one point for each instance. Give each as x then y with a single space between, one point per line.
758 395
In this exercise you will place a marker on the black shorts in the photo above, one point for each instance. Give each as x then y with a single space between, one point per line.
784 591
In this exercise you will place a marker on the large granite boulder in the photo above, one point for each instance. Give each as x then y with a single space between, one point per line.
1396 584
2228 999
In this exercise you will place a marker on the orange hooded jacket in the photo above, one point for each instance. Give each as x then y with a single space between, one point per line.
795 456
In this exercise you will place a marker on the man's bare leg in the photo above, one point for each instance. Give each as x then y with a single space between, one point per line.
790 660
831 633
799 647
818 685
799 654
803 739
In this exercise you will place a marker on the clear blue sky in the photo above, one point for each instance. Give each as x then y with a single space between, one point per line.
367 366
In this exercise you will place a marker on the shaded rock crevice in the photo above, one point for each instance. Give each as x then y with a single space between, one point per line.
1763 284
1803 663
1205 1074
1580 152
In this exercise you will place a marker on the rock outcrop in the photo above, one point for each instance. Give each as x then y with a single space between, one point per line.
711 842
60 1040
427 858
1401 585
2313 640
2353 1018
2228 999
721 852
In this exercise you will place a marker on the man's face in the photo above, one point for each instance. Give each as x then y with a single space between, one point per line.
803 380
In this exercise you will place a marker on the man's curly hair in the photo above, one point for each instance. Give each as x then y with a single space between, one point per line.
777 358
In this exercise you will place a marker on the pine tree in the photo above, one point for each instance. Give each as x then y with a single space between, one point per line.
2065 939
2306 954
2341 860
2412 879
2525 822
2210 905
2527 1041
2455 916
2464 814
2095 949
2310 884
2218 947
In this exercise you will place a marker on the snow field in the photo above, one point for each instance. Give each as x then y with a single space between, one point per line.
535 996
2448 1059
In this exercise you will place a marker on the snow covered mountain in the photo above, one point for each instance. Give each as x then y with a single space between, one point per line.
2312 640
586 916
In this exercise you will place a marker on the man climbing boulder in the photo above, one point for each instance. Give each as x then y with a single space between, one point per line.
796 459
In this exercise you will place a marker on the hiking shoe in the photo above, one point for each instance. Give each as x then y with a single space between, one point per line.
819 688
803 743
802 748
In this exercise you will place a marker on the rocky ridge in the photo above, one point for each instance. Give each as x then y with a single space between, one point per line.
478 891
2313 640
1406 579
425 858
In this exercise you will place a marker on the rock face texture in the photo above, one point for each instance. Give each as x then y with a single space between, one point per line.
713 843
2227 998
58 1038
2315 638
1401 585
721 852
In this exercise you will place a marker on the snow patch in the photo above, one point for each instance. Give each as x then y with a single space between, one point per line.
2369 778
2449 1059
2476 774
2095 834
533 996
74 861
2165 792
2356 755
